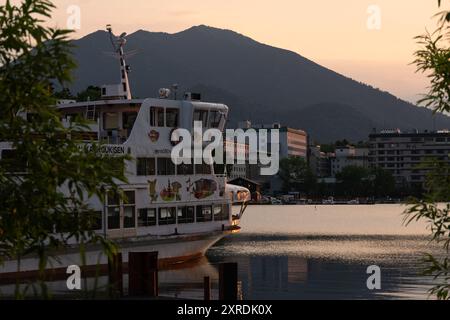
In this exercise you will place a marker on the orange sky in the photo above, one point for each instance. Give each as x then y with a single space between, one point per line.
332 33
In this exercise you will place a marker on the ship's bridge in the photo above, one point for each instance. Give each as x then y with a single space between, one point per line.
112 121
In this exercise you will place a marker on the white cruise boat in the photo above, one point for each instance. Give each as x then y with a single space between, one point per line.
178 211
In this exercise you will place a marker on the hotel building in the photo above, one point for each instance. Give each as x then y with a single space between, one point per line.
402 152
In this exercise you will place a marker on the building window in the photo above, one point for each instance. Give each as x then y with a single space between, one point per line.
145 166
147 217
166 216
129 210
201 115
156 117
172 118
186 215
166 167
204 213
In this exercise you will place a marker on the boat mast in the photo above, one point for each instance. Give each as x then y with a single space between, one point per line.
118 43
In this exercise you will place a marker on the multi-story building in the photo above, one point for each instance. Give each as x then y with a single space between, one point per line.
402 152
232 149
292 143
319 162
348 156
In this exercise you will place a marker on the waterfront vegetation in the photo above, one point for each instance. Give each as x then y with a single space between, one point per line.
36 217
433 58
351 181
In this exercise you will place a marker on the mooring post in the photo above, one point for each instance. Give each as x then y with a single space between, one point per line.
152 260
228 281
115 275
143 274
207 288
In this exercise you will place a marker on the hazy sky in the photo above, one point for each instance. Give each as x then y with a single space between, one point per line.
332 33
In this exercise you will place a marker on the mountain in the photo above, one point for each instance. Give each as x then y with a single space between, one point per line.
258 82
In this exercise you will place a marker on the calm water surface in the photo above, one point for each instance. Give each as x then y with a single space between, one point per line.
316 252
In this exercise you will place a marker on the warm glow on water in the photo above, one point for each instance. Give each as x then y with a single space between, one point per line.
330 220
308 252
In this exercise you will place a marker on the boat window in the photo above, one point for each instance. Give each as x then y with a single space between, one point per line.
11 161
96 220
226 211
113 210
129 210
220 213
215 117
74 116
128 120
110 120
185 169
202 168
147 217
156 117
186 214
167 216
219 169
201 115
166 167
172 118
204 213
145 166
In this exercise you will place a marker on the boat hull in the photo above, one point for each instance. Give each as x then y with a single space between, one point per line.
172 251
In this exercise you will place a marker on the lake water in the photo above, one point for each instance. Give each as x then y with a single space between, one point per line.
316 252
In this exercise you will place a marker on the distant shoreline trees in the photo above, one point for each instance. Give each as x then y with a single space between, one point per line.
91 93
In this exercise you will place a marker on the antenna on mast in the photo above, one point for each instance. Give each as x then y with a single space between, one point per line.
118 43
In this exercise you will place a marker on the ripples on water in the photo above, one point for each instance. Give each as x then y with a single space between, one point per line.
308 252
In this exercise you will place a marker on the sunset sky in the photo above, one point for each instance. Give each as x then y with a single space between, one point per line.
332 33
